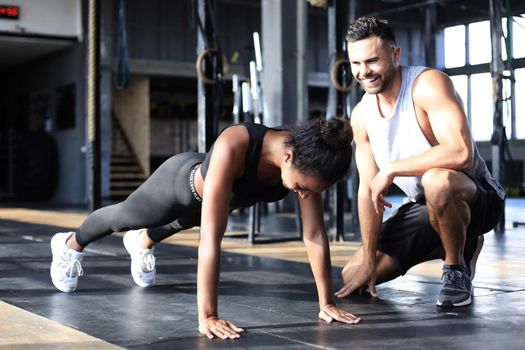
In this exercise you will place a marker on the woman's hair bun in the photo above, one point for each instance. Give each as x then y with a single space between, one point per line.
336 132
322 147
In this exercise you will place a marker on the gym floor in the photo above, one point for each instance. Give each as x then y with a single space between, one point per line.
266 289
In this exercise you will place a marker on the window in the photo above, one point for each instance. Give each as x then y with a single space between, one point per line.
518 36
481 108
454 46
476 89
504 49
461 86
479 39
520 102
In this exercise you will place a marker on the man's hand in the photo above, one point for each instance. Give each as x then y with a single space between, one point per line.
331 313
214 326
365 275
378 190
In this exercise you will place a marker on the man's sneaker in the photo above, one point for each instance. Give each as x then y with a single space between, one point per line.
472 249
142 261
457 287
65 267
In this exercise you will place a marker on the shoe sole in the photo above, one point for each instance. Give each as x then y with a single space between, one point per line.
136 278
448 303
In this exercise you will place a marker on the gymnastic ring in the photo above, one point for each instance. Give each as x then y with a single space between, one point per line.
198 65
333 76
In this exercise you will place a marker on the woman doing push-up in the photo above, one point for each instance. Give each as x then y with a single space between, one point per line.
248 163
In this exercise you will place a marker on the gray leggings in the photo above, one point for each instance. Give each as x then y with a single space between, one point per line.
164 203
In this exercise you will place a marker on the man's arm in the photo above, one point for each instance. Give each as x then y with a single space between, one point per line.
369 220
444 123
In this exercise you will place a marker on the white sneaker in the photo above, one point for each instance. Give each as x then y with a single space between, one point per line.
65 267
142 261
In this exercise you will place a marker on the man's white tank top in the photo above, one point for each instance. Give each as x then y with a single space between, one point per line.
399 136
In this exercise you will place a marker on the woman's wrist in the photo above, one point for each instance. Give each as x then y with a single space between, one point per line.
326 306
324 302
203 317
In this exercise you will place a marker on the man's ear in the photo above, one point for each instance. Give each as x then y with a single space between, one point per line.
397 54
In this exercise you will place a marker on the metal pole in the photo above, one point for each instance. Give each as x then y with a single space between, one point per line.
496 70
338 104
254 86
246 97
93 107
256 69
207 121
236 89
301 52
429 33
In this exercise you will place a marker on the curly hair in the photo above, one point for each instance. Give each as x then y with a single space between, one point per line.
322 148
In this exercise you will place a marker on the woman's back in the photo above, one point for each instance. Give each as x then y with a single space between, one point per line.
247 190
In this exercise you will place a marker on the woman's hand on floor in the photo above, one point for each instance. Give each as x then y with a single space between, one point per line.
216 327
330 313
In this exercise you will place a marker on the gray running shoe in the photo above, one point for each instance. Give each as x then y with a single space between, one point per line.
457 287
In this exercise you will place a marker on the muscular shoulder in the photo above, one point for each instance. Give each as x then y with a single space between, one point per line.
431 85
231 147
234 139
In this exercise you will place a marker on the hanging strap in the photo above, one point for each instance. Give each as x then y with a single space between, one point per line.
122 51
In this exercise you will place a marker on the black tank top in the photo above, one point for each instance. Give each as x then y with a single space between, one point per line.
246 190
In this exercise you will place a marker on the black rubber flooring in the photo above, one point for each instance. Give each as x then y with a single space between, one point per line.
274 300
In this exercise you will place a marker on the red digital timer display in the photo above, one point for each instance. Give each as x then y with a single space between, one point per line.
9 12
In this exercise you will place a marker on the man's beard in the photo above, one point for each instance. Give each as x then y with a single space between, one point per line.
384 82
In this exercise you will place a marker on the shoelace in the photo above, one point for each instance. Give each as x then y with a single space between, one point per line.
147 263
73 267
449 277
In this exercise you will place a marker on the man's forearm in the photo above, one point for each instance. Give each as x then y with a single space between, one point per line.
440 156
370 224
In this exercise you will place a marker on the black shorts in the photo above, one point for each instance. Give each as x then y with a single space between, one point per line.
409 238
